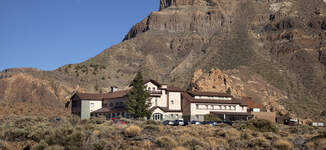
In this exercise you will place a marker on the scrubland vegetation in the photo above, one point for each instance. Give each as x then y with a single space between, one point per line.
71 133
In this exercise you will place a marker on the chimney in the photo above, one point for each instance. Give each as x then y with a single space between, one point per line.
164 86
114 89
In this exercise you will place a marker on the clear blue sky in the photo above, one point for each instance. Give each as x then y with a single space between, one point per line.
47 34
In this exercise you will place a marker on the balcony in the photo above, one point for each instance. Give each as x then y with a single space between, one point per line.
152 92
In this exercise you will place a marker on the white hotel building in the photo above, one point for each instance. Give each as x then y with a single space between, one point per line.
168 103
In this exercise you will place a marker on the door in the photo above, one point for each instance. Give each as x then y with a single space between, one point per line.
157 116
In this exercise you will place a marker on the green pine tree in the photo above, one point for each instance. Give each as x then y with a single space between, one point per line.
228 91
138 98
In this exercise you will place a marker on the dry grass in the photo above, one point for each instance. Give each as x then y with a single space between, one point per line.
72 133
132 130
180 148
283 145
166 142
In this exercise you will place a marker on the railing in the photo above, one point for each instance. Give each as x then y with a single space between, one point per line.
154 92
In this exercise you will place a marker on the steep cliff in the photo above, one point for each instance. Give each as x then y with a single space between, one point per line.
280 45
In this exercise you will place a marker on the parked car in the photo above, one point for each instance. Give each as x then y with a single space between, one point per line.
195 122
228 122
168 122
178 122
212 123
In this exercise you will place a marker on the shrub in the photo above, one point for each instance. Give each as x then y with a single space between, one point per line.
67 136
166 142
259 142
283 145
55 147
16 134
180 148
323 113
152 122
132 131
261 125
40 146
147 144
211 117
3 146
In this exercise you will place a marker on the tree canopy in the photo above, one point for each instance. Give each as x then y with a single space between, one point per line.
138 98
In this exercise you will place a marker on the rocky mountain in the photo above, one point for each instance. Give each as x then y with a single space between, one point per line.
273 51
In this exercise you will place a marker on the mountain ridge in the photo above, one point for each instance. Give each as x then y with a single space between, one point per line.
279 44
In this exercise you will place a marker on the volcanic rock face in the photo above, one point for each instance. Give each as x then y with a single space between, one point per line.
280 43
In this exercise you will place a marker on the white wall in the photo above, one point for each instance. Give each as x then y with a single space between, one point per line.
206 108
151 86
95 105
176 98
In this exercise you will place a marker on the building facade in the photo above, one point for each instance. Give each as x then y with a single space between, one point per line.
167 103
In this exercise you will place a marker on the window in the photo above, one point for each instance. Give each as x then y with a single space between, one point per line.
92 105
176 115
121 103
172 102
197 106
171 115
206 106
111 104
155 101
117 104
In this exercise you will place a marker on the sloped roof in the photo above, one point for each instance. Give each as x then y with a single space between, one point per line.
195 93
232 113
186 96
88 96
107 110
165 109
174 89
117 94
153 81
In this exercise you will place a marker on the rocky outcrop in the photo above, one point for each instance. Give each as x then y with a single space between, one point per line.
274 49
241 85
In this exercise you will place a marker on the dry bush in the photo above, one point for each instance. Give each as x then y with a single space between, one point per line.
132 131
283 145
321 143
166 142
40 146
3 146
229 134
259 142
180 148
147 144
195 143
55 147
260 125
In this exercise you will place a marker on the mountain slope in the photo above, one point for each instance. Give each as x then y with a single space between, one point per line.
283 43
